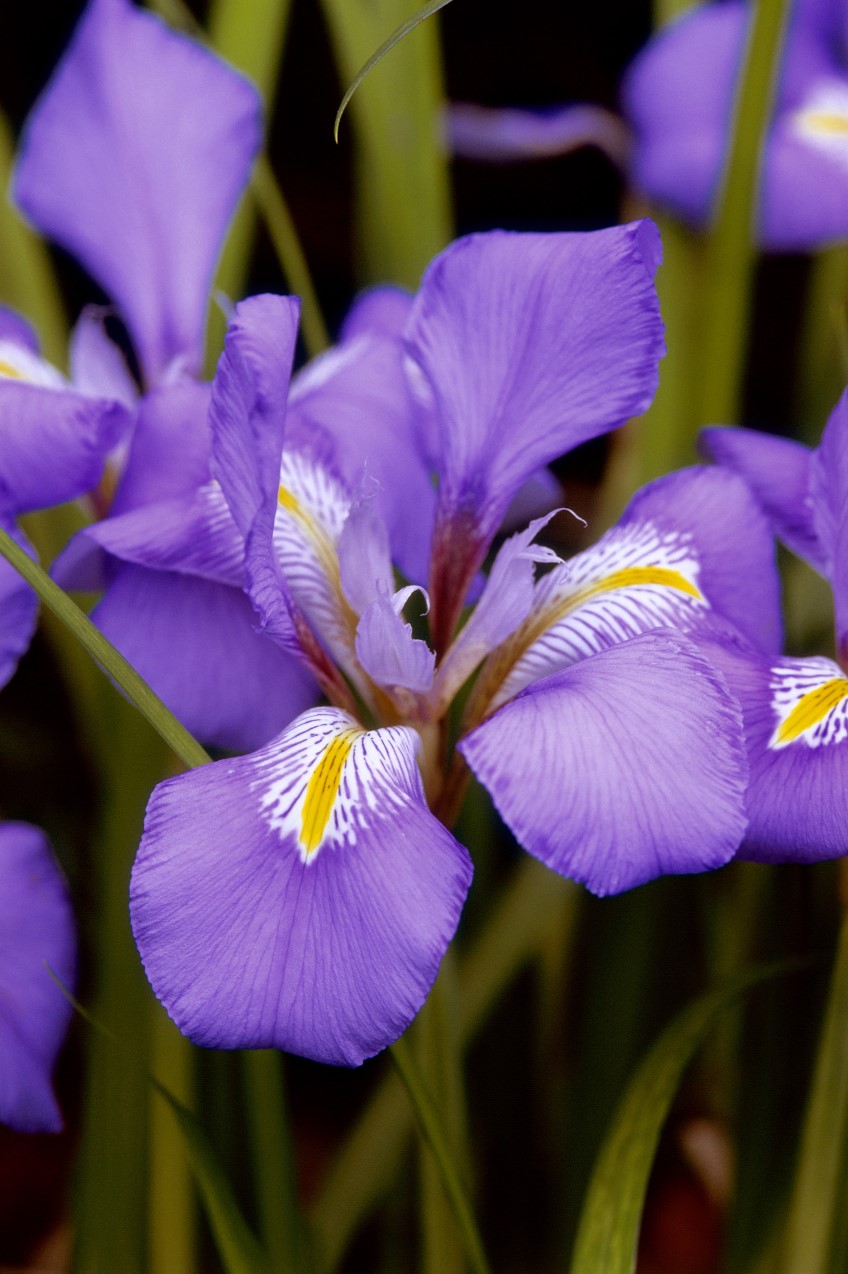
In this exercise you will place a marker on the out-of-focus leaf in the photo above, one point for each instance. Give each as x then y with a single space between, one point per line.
609 1227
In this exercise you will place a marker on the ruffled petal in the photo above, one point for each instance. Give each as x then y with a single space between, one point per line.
195 643
777 471
36 934
299 898
133 159
53 444
531 344
796 728
628 766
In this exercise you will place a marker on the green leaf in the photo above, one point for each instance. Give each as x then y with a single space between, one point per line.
609 1226
400 33
239 1251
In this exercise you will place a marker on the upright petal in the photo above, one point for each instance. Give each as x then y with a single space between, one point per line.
627 766
170 449
299 898
133 159
36 935
531 344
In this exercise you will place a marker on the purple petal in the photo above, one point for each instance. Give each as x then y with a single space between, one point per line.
377 311
828 483
171 446
737 571
532 344
805 183
192 535
36 934
299 898
387 650
777 471
628 766
507 135
18 610
133 159
248 410
358 394
195 644
15 329
53 443
98 368
796 728
363 553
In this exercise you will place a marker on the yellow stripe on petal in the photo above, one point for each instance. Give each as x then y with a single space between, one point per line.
6 369
809 711
632 577
827 122
289 501
322 790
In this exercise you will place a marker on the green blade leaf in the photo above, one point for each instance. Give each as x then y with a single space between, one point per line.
239 1251
609 1226
400 33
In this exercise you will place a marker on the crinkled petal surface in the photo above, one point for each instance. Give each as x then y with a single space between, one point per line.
627 766
53 443
299 898
133 159
194 641
36 930
777 471
796 729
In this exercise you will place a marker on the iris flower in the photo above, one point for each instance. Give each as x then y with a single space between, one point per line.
36 935
302 896
133 160
796 710
678 97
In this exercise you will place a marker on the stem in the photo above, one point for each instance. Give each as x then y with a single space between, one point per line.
172 1225
731 251
111 660
274 1162
431 1129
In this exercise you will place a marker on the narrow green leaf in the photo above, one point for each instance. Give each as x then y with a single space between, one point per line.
238 1249
609 1227
817 1206
426 11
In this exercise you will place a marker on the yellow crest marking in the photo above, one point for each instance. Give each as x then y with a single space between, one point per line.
828 122
630 577
6 369
323 788
289 501
810 710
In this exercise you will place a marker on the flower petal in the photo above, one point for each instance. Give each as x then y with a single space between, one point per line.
171 447
299 898
98 367
53 443
389 653
36 935
133 159
796 728
195 643
777 471
18 609
508 135
531 343
627 766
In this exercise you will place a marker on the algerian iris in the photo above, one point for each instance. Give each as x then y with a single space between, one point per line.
302 896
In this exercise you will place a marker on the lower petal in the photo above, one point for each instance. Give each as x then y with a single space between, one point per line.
627 766
301 897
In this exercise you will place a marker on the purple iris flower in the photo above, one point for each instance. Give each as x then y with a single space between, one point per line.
36 936
302 896
133 159
796 710
678 98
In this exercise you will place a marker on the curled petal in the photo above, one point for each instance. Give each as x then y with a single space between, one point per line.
627 766
36 935
299 898
389 653
133 159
